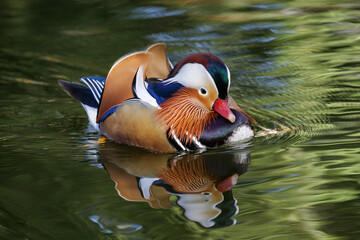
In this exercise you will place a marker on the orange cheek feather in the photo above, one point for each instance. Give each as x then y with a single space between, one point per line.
185 114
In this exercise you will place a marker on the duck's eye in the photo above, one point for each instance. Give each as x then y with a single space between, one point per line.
203 91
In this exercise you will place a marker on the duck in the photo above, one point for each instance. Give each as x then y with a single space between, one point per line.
201 183
146 102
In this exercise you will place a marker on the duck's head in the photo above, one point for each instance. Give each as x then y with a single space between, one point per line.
199 92
209 80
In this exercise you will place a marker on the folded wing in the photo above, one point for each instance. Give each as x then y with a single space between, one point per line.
118 86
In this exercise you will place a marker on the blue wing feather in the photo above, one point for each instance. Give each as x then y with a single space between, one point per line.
162 91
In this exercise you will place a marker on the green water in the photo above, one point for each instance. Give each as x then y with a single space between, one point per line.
295 68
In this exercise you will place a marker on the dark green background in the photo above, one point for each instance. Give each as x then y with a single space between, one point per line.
294 64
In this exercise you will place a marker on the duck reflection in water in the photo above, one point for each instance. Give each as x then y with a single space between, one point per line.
202 182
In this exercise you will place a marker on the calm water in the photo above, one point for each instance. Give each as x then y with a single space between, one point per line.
295 68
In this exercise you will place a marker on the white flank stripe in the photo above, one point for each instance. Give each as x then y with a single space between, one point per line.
178 141
197 143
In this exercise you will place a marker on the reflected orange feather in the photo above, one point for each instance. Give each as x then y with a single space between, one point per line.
187 175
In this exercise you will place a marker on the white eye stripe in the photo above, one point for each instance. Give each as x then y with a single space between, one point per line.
194 75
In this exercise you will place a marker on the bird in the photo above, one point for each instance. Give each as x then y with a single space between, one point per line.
146 102
202 183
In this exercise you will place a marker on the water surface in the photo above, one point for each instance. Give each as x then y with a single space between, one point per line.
295 68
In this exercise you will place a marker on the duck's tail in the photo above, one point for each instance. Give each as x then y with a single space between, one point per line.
89 96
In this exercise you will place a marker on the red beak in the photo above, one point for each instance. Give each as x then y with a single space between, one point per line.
227 184
222 107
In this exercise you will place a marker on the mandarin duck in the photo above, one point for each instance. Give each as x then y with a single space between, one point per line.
202 183
146 102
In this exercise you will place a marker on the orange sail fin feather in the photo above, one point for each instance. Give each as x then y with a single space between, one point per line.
118 86
158 65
